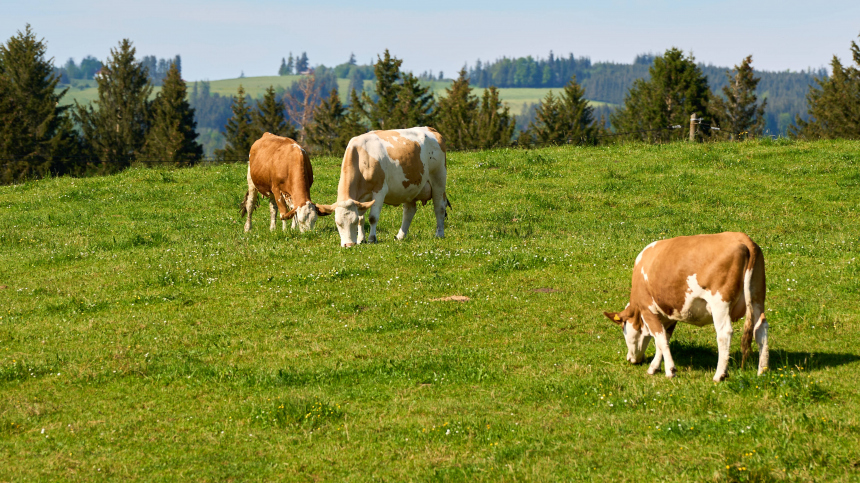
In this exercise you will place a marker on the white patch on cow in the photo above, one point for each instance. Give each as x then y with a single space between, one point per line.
699 304
639 257
645 275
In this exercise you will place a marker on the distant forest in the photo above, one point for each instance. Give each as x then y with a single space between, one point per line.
90 66
603 81
609 82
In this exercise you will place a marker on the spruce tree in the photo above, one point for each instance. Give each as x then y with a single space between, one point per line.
548 126
834 106
352 123
302 63
172 138
283 69
289 69
116 130
416 105
238 132
382 113
578 125
325 130
269 117
458 111
739 113
495 125
676 89
36 135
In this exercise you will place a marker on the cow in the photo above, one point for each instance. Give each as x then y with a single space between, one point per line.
699 280
397 167
280 169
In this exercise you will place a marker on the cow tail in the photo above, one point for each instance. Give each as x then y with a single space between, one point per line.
749 323
243 207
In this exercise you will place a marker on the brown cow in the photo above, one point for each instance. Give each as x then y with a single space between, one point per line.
280 169
699 280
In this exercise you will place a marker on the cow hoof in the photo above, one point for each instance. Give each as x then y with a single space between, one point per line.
651 372
721 378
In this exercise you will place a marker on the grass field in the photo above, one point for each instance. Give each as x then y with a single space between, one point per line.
86 91
144 335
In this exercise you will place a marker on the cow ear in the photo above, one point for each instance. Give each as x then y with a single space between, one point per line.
290 214
364 206
613 316
325 210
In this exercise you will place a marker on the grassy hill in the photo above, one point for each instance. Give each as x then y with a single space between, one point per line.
85 91
145 336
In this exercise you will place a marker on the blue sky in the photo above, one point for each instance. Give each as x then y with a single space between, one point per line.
219 39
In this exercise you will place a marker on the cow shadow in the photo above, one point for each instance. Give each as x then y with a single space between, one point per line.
697 356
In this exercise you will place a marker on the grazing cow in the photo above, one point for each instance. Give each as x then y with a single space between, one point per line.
699 280
398 167
280 169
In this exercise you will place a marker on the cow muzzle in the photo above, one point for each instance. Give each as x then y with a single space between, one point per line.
347 245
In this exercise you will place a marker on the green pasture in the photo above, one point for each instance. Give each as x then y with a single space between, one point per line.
85 91
145 336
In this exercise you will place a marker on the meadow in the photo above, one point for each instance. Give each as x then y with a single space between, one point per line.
145 336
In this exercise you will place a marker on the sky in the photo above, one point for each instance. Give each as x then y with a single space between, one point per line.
218 39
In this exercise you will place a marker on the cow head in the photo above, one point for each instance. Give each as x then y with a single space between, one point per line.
636 333
305 216
346 217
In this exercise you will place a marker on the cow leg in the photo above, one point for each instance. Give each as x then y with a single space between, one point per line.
760 332
374 212
655 364
273 213
409 209
280 198
723 326
249 200
440 203
662 350
361 237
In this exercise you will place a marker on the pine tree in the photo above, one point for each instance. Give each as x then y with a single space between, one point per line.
325 130
495 125
283 69
352 123
458 111
34 129
172 138
834 106
578 125
302 63
739 113
382 112
548 126
117 130
416 105
677 88
238 133
269 117
289 69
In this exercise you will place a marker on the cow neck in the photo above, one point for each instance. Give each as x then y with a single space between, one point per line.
347 188
300 183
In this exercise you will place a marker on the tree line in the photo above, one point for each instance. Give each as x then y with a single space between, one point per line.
39 136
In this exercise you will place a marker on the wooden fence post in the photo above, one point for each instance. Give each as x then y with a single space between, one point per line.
693 127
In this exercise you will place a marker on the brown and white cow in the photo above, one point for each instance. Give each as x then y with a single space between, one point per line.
699 280
280 169
398 167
